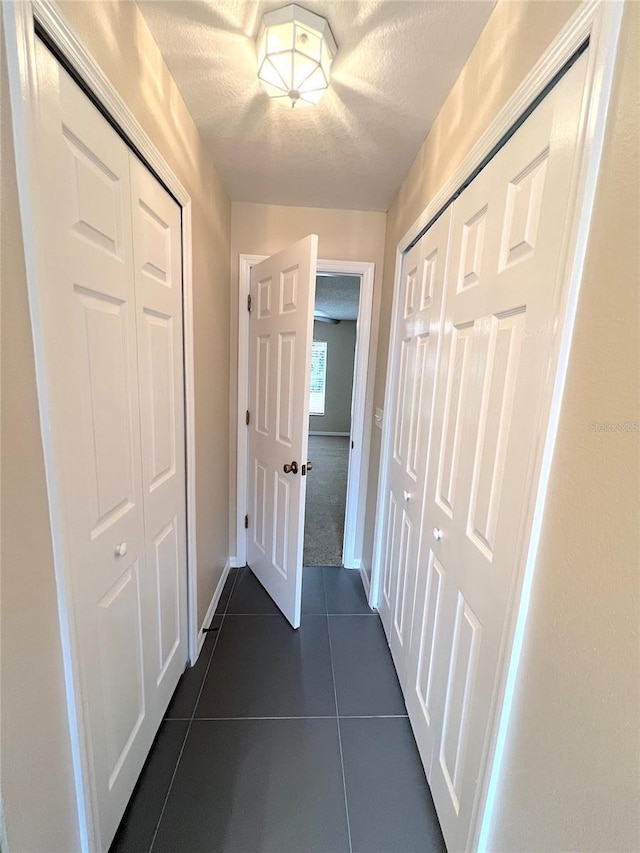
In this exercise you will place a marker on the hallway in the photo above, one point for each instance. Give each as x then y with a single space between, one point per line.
286 741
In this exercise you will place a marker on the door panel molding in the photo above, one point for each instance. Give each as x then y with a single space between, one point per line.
20 20
599 23
361 406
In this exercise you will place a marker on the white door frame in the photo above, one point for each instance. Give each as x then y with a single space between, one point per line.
19 23
599 21
361 403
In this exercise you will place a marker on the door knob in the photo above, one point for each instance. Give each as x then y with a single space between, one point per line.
309 466
121 549
437 533
407 495
291 469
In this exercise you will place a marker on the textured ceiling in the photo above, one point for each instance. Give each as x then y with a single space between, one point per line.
338 296
396 62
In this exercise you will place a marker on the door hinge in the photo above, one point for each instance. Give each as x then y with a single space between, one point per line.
246 522
352 445
249 302
247 418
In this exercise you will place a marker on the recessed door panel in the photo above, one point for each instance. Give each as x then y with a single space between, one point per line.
522 213
104 351
454 411
390 562
159 352
286 387
467 637
260 506
281 513
405 552
96 198
289 290
472 250
121 665
501 359
426 642
167 571
155 246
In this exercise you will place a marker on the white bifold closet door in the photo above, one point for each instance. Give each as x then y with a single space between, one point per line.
110 321
417 323
503 306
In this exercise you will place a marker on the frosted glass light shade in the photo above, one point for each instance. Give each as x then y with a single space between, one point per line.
295 52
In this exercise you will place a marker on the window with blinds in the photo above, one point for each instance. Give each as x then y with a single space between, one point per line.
318 377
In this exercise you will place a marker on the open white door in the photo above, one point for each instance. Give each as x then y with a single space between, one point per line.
281 298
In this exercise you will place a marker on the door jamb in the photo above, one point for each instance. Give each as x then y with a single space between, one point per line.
361 403
19 22
599 21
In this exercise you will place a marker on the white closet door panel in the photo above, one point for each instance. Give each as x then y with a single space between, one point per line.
89 338
158 296
121 582
501 312
418 330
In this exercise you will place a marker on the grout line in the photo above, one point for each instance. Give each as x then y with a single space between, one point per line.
373 717
292 717
175 769
304 614
310 717
335 695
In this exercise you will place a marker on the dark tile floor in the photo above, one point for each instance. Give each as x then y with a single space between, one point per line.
286 741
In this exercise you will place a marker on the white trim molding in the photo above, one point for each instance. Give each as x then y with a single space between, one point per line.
361 407
599 21
19 23
211 609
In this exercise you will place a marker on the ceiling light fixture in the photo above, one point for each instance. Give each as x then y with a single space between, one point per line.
295 52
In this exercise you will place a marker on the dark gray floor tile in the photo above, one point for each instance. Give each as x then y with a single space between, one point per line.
249 596
263 668
248 786
226 591
138 825
186 694
344 591
313 599
390 805
366 681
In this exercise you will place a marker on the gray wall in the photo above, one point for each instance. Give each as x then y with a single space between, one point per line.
341 345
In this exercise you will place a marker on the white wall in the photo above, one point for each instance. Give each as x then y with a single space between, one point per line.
341 346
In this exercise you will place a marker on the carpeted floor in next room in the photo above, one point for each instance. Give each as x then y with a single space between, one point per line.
326 500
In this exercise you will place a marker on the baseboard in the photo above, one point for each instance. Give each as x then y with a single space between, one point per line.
235 563
316 432
365 580
211 609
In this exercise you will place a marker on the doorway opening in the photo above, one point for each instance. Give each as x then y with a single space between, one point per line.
361 410
330 416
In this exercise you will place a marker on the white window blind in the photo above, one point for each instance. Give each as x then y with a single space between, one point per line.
318 377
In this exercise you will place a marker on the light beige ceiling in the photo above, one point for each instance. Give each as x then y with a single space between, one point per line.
396 62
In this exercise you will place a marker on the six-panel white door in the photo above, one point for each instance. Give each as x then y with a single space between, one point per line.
111 327
280 337
158 300
418 321
502 304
